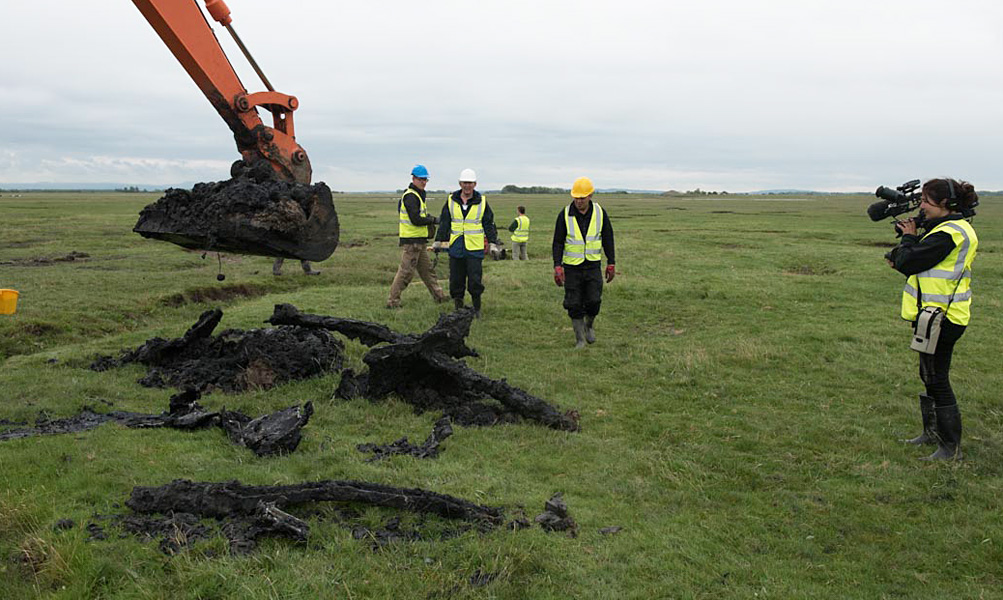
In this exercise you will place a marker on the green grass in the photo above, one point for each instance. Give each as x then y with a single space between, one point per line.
739 412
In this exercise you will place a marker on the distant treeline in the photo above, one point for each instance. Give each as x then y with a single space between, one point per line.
534 189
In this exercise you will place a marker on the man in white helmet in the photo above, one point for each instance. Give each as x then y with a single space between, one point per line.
466 221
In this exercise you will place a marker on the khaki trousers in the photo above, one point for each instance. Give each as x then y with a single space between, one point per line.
414 258
519 251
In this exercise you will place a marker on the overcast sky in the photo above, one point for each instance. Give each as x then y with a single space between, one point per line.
717 94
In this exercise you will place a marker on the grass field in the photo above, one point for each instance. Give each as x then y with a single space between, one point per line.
740 412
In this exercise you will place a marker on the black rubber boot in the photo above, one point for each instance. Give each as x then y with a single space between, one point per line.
476 300
457 303
579 326
590 334
948 434
929 415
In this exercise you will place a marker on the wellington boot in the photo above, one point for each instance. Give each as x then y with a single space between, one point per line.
929 415
476 300
948 434
457 303
308 268
579 326
590 333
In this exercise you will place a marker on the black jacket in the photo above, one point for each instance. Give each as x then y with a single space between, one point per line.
916 254
561 234
413 209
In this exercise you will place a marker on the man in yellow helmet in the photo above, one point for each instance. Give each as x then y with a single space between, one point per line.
520 235
466 221
413 226
582 233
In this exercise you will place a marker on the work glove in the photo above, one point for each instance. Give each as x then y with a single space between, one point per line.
438 246
610 273
495 250
435 219
559 276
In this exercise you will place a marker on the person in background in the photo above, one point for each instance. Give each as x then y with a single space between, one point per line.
414 225
305 264
465 222
582 233
938 265
520 235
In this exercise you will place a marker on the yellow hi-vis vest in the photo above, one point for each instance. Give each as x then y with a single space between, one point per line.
407 229
470 227
521 233
577 247
948 283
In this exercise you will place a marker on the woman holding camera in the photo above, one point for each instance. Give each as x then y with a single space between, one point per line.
938 265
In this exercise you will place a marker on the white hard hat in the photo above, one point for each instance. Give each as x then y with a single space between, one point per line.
468 175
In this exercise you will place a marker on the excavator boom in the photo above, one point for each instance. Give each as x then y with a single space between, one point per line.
271 211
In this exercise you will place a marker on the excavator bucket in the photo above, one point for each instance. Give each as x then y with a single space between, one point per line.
253 212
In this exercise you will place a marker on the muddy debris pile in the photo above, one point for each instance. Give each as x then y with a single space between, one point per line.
234 360
253 212
277 433
429 449
426 372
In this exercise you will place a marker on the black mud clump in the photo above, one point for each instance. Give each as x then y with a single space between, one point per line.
253 212
234 360
429 449
424 370
555 516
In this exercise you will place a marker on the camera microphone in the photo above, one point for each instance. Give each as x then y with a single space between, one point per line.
878 210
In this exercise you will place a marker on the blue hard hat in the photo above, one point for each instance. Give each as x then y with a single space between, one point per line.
420 171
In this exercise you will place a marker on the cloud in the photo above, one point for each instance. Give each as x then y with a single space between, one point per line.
718 94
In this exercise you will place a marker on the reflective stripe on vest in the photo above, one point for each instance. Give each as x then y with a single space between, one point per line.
579 248
469 227
521 233
407 229
948 283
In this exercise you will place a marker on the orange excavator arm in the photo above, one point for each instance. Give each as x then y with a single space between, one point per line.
183 27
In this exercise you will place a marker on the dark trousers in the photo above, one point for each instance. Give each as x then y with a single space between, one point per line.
582 291
935 369
465 272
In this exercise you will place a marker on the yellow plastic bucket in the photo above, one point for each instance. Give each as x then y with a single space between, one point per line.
8 302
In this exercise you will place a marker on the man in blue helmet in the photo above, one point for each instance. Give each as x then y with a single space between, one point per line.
414 227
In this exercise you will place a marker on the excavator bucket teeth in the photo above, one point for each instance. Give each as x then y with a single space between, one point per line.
251 213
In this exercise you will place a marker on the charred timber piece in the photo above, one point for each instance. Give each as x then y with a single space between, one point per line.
277 433
252 213
233 499
367 333
429 449
234 360
421 369
184 412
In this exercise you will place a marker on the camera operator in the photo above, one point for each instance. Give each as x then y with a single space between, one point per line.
938 266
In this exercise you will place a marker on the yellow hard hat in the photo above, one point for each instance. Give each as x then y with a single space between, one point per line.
582 187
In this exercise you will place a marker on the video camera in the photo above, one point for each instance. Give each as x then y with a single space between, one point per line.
896 201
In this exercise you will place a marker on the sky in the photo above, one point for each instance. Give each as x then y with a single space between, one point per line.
718 95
